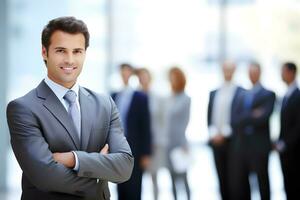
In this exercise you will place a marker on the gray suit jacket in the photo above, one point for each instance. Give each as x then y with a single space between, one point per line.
39 126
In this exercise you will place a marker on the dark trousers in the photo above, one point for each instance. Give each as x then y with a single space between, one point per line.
291 174
132 189
221 158
243 163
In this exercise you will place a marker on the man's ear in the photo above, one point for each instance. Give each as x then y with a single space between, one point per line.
44 53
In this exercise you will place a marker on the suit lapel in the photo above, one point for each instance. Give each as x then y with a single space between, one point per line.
289 99
54 106
257 96
86 119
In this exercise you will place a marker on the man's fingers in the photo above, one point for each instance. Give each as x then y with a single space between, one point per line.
105 149
55 156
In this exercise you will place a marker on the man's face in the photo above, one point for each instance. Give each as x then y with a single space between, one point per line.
284 74
228 72
65 57
254 74
144 79
126 73
287 75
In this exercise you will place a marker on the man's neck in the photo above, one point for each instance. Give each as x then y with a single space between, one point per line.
66 85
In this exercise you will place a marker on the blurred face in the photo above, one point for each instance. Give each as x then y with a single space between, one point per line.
228 71
254 74
287 76
65 57
126 72
144 79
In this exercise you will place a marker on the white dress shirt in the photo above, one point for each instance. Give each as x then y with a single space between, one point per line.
221 112
293 86
60 92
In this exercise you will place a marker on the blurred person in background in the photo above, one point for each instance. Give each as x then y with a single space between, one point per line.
219 119
252 143
159 140
288 144
135 116
177 118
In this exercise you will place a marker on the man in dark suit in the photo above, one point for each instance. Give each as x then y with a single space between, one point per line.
219 118
252 144
67 139
134 110
288 144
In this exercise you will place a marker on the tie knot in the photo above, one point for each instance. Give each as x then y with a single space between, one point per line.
70 97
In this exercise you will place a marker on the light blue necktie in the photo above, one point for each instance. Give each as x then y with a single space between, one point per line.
248 101
73 109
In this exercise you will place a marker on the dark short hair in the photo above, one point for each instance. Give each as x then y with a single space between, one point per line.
291 67
126 65
66 24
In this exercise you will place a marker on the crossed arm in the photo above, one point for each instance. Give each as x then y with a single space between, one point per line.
38 163
68 158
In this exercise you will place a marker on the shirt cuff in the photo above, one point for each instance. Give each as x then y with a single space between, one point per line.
226 130
212 131
76 168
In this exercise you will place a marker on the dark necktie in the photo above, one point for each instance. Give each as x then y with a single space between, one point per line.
73 109
284 102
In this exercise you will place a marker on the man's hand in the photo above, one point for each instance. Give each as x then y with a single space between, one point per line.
145 162
67 159
258 112
105 149
218 140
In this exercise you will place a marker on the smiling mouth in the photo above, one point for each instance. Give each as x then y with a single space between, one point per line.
68 69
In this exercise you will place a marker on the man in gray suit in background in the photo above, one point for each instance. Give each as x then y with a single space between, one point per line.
67 139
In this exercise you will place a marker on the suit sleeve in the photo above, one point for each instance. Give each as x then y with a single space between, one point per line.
266 109
35 158
115 166
293 138
145 127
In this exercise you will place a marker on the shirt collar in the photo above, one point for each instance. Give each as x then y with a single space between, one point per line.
127 90
256 87
291 88
228 84
60 90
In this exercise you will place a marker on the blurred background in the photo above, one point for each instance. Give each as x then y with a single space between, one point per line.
196 35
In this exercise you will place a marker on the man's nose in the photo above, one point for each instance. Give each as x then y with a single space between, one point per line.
69 58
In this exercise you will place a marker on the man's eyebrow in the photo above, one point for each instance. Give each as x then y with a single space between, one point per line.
79 49
59 48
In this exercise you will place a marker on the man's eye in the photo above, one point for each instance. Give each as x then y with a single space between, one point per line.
60 51
77 51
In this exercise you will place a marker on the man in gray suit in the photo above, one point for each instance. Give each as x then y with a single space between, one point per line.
67 139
